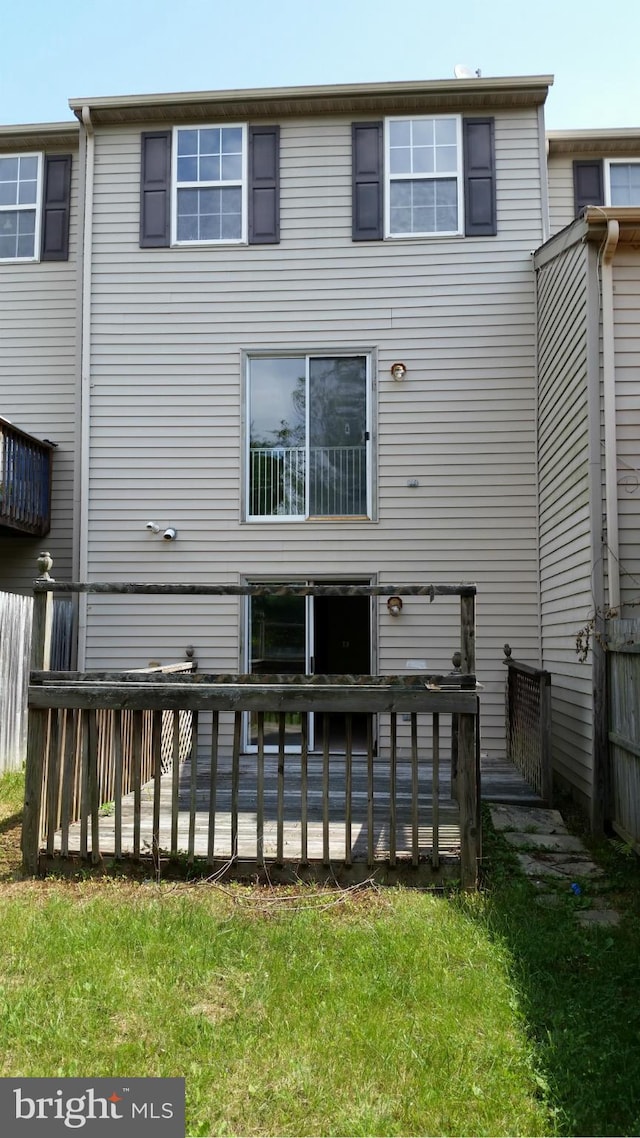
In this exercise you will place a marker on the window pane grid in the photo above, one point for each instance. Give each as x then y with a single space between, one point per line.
423 160
209 175
18 206
624 181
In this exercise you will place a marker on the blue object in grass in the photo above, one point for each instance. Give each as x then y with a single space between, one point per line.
575 888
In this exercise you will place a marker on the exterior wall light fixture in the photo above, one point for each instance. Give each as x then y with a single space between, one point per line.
394 605
398 371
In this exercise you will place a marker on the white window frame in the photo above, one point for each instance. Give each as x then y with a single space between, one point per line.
30 207
608 163
242 182
305 518
389 178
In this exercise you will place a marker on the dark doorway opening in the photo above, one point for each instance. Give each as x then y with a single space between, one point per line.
342 646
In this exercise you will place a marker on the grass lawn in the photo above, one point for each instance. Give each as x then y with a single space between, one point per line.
371 1012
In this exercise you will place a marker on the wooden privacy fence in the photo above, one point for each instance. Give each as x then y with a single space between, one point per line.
528 724
15 643
623 650
265 807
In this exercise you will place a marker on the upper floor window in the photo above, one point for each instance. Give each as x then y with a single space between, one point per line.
424 174
429 176
20 195
308 437
210 184
623 182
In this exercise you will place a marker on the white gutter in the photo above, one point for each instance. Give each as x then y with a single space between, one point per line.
85 385
609 390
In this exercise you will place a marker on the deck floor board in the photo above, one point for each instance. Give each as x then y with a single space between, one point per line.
500 782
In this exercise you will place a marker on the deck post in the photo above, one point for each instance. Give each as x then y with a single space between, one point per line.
37 728
468 801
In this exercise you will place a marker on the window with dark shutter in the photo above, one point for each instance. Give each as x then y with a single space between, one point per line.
479 178
264 185
155 187
588 184
367 164
56 208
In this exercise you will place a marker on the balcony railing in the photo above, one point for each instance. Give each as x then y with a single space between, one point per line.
25 482
337 478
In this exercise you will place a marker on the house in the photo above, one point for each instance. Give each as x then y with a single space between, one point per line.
39 335
298 334
588 289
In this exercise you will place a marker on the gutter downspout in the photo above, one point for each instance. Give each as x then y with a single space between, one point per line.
85 385
609 391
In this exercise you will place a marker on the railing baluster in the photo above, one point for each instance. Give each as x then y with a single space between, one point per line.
415 831
280 807
68 770
117 782
235 781
304 764
156 751
393 773
94 796
175 782
84 785
435 793
193 797
260 804
348 774
213 787
325 790
53 779
370 829
137 788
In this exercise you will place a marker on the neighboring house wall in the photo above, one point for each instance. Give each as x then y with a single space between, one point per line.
565 523
168 330
38 317
561 194
626 280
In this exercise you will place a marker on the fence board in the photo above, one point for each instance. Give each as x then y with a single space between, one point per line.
16 616
624 728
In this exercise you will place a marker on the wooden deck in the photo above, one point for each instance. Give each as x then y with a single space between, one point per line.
500 783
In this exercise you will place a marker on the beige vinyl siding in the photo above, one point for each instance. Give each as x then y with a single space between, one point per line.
626 270
565 537
169 329
561 196
38 309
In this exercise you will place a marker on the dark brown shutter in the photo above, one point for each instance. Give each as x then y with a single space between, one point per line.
367 167
56 208
155 189
479 178
588 184
264 185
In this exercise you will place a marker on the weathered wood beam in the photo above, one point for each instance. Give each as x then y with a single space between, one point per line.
254 697
137 588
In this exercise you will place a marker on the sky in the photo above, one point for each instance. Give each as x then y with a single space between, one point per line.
50 53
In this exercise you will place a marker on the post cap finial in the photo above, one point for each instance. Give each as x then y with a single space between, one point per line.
44 562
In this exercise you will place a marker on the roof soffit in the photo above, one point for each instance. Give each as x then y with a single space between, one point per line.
371 99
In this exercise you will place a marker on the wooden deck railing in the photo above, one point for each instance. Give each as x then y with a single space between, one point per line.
267 807
528 724
25 481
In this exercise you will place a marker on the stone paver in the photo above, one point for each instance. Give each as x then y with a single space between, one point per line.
556 843
553 860
532 818
592 918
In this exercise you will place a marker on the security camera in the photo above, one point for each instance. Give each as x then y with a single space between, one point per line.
170 534
152 527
